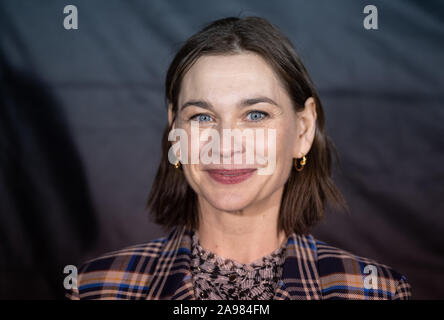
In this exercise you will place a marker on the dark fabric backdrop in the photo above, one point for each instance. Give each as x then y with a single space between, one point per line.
82 111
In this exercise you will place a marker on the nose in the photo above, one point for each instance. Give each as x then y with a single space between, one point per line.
230 147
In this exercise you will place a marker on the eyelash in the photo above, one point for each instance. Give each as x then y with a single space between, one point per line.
264 115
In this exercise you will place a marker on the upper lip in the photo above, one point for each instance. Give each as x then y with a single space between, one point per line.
229 166
230 170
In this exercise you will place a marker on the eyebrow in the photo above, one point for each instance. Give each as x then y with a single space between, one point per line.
243 103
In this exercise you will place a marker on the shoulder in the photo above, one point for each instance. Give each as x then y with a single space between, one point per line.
121 274
344 275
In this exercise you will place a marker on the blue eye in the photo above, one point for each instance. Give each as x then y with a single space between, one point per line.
256 115
201 117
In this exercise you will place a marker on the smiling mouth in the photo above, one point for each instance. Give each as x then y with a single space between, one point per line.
234 176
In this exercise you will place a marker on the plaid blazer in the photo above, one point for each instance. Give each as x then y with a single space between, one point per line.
160 269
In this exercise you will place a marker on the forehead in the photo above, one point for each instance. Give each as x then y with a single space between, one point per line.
229 77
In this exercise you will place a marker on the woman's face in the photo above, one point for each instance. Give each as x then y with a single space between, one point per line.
240 92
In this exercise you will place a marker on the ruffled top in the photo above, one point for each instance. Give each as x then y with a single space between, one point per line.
218 278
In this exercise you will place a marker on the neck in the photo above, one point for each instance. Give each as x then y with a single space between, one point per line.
245 235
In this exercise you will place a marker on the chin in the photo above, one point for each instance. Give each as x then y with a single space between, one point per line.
227 201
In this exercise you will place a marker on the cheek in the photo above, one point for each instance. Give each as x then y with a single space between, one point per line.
194 177
200 142
285 142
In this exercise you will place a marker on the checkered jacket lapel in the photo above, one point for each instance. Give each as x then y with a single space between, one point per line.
300 278
172 279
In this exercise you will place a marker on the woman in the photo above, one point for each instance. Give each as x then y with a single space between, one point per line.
236 230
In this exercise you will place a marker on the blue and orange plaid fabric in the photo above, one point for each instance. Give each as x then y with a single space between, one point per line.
160 269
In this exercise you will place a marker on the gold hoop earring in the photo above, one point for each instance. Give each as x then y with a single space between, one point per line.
302 164
177 164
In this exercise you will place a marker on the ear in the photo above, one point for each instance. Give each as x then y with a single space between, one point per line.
306 128
170 114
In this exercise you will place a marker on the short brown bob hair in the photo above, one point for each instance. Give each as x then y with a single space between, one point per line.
172 202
